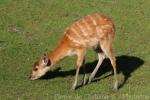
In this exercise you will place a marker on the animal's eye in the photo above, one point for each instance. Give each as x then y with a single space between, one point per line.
35 69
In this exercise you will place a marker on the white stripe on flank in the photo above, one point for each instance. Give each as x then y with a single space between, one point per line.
86 23
106 26
93 20
74 40
82 29
76 32
100 32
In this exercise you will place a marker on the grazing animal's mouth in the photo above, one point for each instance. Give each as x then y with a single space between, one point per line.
35 78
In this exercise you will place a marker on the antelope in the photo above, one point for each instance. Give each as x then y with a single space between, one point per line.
92 31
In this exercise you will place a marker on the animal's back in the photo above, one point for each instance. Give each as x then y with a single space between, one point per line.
89 30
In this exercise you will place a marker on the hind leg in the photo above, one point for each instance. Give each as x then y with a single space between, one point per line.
106 47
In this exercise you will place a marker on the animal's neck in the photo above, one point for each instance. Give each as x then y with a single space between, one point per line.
59 52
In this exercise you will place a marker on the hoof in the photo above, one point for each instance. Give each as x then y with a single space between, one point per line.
84 82
73 87
90 80
115 89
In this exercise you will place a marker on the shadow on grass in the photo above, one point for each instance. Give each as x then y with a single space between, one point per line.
125 65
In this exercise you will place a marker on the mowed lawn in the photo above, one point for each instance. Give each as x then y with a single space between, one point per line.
30 28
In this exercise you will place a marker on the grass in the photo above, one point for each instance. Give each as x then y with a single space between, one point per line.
28 28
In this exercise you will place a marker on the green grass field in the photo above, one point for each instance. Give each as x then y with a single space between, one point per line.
30 28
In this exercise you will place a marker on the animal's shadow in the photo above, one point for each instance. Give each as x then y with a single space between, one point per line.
125 65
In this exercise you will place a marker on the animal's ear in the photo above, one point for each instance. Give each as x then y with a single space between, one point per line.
49 62
46 60
35 64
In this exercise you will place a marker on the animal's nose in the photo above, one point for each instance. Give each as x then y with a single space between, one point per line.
32 78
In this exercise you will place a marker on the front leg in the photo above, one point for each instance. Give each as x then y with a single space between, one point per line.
76 78
80 60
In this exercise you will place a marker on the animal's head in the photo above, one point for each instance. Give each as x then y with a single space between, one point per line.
40 68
